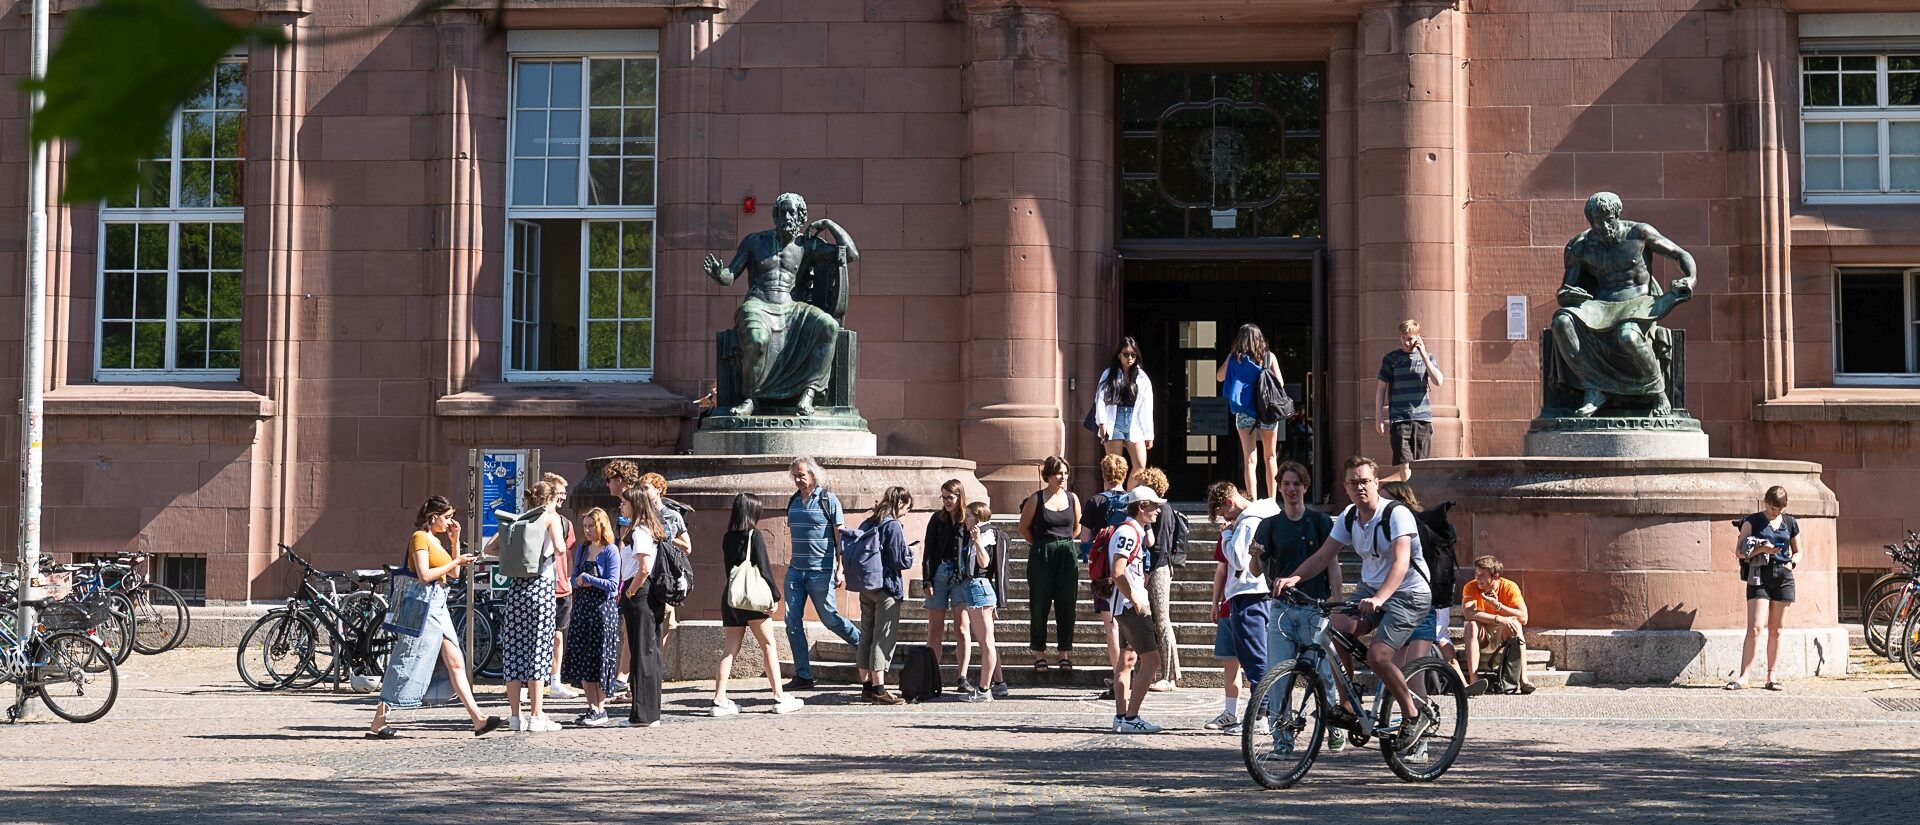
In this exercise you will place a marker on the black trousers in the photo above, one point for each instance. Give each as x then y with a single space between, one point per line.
643 616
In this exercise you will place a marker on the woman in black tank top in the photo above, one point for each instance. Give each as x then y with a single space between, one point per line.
1053 560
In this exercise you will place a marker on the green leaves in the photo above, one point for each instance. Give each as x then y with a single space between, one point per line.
116 78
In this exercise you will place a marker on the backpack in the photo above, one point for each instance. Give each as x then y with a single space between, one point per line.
860 556
1100 566
1177 554
672 576
1386 518
1438 541
1270 400
1505 673
919 675
523 543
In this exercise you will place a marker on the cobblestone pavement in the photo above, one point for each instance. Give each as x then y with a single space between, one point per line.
189 743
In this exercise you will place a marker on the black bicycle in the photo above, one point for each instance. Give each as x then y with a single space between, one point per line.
324 633
1286 719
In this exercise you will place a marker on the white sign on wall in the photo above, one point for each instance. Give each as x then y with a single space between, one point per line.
1516 317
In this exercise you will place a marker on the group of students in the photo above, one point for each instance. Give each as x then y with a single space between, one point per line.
592 616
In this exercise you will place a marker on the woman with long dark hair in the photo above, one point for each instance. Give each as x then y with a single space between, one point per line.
939 568
410 663
640 609
1123 407
745 544
1239 377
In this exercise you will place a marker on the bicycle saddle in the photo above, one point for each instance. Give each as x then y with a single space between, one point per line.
369 575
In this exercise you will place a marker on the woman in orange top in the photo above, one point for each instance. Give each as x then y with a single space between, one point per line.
410 665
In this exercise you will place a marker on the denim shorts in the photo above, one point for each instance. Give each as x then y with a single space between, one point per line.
1429 630
1223 639
1242 421
951 595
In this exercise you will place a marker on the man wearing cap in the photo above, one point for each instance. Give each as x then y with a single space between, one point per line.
1139 652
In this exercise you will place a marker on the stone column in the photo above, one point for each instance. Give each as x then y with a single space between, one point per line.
1020 216
1408 205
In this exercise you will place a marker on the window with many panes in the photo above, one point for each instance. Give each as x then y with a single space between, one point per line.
1876 320
170 252
580 214
1860 126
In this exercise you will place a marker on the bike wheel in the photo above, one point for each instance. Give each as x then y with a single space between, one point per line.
1901 607
486 643
115 632
1436 687
1283 726
1909 643
1878 607
160 619
67 682
276 649
321 664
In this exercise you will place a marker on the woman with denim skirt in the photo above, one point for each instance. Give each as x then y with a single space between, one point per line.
973 590
410 664
939 562
1123 408
1239 378
643 611
592 656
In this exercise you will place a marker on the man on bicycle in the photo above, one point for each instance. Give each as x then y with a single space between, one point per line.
1280 546
1393 592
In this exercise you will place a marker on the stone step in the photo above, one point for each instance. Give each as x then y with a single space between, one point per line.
1093 676
1020 611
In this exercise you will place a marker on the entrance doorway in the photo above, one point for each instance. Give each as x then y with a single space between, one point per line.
1185 315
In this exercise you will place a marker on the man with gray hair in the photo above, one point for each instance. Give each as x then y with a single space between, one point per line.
786 346
813 568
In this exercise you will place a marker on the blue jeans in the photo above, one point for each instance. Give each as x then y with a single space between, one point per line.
1249 623
1289 630
816 585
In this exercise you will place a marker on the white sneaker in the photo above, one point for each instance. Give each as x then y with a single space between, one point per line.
1137 725
515 724
1117 720
788 704
1336 740
541 724
596 720
724 709
1231 730
1416 756
558 690
1162 686
1222 722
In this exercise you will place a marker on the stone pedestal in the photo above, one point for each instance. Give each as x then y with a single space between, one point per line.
785 436
1627 564
1677 436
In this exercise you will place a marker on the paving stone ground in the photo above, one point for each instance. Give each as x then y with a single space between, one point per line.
189 743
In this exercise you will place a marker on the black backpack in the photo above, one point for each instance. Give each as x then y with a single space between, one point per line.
672 576
1425 568
1177 554
1438 544
919 674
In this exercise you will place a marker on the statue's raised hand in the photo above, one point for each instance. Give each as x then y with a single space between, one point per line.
715 269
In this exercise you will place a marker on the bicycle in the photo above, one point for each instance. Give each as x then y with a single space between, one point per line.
108 617
320 634
488 617
1279 740
160 615
1891 598
65 668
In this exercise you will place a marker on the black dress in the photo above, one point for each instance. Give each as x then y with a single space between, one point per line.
738 546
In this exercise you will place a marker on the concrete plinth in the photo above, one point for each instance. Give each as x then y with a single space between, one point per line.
1606 437
832 432
1661 656
1629 562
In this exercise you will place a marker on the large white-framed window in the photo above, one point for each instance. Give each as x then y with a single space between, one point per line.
1860 127
1876 325
581 210
170 276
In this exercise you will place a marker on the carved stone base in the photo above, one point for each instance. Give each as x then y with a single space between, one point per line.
1675 436
829 432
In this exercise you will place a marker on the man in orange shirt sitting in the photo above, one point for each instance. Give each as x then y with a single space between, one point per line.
1495 612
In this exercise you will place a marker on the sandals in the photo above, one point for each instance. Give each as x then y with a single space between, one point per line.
492 724
1066 664
1736 685
1774 684
388 732
1040 664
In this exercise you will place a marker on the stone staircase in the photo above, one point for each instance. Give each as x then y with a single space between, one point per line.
1190 601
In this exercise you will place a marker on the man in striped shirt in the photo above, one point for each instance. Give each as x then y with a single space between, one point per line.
1405 415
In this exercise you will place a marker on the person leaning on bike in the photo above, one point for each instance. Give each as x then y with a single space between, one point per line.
1387 538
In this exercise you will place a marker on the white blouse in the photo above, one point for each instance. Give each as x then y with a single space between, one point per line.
1103 412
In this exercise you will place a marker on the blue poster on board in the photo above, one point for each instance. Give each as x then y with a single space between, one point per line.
499 487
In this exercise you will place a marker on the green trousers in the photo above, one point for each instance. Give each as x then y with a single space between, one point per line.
1053 584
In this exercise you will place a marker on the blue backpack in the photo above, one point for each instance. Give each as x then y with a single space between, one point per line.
860 557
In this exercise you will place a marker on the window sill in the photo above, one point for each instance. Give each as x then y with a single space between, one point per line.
160 400
566 401
1850 404
1839 224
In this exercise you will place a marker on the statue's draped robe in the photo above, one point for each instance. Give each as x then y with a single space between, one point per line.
801 337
